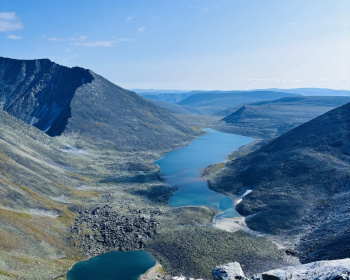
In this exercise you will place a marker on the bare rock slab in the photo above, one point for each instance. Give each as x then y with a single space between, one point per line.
321 270
228 271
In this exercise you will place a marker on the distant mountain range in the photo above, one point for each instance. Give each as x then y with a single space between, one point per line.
269 119
315 91
300 185
212 102
61 100
156 91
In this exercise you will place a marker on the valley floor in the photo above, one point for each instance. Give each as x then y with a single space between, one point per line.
65 226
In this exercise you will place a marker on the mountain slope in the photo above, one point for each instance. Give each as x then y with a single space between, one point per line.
297 180
35 182
61 100
273 118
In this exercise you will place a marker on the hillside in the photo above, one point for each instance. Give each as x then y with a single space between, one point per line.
215 101
269 119
300 182
60 100
35 182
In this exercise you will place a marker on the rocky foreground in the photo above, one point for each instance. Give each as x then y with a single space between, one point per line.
103 229
322 270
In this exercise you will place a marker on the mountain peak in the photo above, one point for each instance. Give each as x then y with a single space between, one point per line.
58 99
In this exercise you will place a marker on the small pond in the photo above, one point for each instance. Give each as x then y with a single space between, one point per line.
113 266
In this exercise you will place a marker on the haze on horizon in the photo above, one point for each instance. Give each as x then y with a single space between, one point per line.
187 44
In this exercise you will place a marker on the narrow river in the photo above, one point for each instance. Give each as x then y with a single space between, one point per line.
181 168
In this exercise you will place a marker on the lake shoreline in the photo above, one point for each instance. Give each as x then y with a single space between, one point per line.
193 225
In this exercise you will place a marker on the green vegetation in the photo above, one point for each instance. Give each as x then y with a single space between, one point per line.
194 251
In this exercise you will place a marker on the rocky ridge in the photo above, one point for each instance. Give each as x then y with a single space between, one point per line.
321 270
61 100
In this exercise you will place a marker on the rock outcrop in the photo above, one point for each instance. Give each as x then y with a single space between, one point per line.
228 271
322 270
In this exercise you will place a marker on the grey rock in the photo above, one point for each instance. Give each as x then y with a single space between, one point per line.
228 271
111 231
321 270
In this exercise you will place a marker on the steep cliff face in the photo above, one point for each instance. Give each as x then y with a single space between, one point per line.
58 99
39 92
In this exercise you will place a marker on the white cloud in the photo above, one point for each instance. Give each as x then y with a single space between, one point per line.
55 39
14 37
8 16
142 29
266 80
128 18
9 22
94 44
83 41
80 38
275 80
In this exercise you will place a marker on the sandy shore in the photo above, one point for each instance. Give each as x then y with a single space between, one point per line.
238 223
153 273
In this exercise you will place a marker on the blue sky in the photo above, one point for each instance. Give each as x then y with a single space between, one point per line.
187 44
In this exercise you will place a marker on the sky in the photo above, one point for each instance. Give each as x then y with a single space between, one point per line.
187 44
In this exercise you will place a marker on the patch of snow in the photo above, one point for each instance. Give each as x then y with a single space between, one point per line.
184 278
75 151
245 194
61 198
45 213
84 188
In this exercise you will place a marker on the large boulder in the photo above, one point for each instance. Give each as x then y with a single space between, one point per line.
228 271
321 270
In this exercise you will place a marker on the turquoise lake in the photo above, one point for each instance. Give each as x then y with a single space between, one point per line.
113 266
182 167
